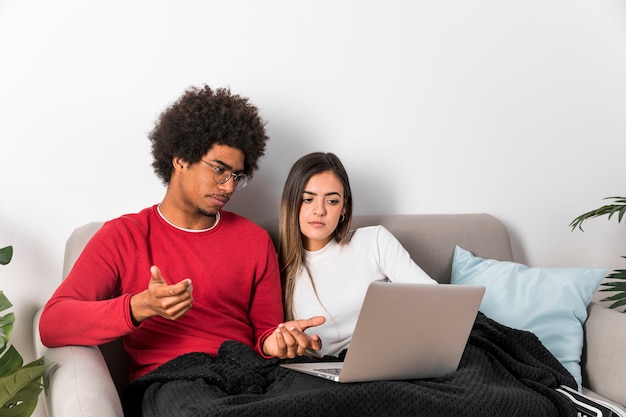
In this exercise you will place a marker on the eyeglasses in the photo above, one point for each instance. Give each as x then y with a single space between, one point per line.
222 175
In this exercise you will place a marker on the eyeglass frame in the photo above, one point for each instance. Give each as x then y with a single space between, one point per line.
238 179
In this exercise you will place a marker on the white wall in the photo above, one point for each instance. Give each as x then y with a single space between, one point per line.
516 108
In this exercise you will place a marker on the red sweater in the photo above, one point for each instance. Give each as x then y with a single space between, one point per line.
236 288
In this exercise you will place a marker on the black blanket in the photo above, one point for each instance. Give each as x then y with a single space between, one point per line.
503 372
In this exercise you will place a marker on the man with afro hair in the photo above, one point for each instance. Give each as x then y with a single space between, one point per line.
184 275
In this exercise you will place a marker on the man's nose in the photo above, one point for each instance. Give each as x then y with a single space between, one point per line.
229 186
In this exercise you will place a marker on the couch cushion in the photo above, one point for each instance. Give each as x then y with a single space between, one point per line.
550 302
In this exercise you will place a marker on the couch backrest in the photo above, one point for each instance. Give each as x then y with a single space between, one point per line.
429 238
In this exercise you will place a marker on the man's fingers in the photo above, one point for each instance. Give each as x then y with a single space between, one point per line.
169 301
165 290
180 288
155 275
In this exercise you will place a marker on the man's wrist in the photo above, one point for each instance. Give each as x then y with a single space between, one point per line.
135 308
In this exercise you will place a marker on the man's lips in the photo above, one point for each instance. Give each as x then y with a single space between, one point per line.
220 199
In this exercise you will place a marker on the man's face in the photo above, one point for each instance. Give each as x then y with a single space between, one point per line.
198 191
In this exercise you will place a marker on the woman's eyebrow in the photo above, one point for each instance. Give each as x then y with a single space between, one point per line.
327 194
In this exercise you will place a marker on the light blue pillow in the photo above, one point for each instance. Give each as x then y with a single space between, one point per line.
550 302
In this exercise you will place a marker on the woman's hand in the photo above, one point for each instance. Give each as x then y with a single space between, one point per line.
290 341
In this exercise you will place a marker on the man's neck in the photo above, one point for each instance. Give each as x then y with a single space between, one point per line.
184 220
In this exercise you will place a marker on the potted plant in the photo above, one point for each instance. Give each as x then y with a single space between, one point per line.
20 385
618 207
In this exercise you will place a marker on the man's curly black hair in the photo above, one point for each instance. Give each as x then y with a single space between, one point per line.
200 118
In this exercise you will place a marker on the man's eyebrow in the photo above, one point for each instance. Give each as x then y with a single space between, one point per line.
224 165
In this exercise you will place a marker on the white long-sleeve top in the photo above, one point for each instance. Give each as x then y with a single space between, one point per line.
342 274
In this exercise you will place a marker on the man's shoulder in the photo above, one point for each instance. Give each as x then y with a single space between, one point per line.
245 228
241 223
139 220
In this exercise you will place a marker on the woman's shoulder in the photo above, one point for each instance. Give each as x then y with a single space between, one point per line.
377 233
370 231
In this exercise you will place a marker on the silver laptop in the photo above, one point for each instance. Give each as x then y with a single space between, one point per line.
405 331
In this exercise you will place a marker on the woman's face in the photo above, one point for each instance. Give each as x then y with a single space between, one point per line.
321 209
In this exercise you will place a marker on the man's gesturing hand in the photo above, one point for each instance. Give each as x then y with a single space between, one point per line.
168 301
290 341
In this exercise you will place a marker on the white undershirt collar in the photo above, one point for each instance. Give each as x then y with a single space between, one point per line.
217 220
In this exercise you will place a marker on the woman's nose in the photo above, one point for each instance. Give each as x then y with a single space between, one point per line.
319 209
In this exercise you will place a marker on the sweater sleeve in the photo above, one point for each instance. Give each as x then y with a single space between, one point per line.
91 294
266 310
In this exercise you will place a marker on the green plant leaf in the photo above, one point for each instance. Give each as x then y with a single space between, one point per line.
614 286
24 402
615 297
6 329
618 274
20 385
11 386
619 303
619 285
10 362
4 302
619 282
621 213
6 254
36 362
7 319
619 207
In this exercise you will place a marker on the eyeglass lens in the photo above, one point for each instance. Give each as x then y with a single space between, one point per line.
221 176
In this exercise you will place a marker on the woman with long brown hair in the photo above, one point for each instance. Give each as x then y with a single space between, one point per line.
326 267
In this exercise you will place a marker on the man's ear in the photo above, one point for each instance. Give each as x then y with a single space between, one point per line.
179 163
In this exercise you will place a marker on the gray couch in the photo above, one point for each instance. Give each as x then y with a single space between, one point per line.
86 380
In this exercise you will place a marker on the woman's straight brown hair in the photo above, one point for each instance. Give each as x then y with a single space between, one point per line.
291 253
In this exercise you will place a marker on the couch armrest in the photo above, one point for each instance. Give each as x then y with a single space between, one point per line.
79 382
604 354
